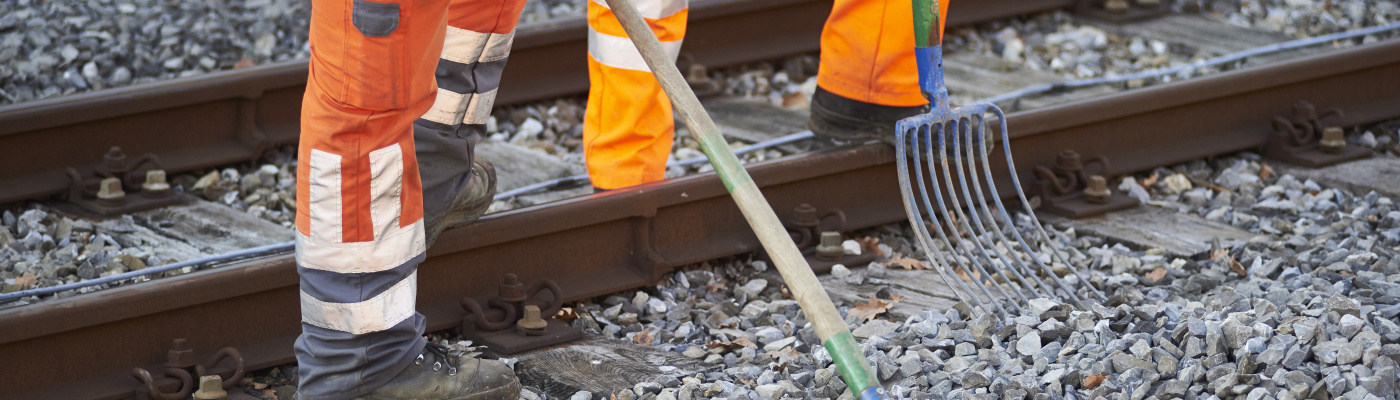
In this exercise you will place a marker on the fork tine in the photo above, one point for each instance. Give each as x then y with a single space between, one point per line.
984 277
966 266
1035 222
907 135
980 138
973 223
964 152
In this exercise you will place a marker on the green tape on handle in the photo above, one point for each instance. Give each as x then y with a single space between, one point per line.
855 370
927 33
731 172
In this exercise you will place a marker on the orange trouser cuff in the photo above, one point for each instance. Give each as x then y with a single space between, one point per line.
867 53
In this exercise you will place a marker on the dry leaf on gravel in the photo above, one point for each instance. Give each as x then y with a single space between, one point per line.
1265 171
270 393
1239 269
908 263
963 274
1219 254
1223 256
716 286
566 314
868 310
643 337
743 341
740 342
1092 381
795 100
27 280
1149 181
1156 274
871 245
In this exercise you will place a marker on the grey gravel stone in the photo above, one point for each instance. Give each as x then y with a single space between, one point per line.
975 380
1343 306
1028 344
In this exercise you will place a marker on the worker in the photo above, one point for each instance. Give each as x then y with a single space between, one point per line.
867 81
398 95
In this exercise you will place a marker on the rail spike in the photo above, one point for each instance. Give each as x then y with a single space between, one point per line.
517 318
180 365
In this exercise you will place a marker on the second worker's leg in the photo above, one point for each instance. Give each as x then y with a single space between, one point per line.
868 78
627 128
458 186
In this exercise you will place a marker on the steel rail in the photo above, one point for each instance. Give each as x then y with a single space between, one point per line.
227 117
81 347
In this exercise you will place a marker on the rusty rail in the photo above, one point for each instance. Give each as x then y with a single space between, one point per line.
227 117
610 242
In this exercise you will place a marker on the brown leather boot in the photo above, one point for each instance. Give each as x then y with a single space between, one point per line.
845 120
476 196
437 375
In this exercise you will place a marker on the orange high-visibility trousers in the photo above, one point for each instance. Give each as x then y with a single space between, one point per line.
867 54
627 127
392 83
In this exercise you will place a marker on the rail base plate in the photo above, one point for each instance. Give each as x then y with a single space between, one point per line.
850 261
1134 13
507 342
1074 206
133 203
1314 157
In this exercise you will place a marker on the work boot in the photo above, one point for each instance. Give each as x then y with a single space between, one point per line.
471 202
438 375
844 120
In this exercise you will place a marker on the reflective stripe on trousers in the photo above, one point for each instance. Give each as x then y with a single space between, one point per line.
627 128
370 170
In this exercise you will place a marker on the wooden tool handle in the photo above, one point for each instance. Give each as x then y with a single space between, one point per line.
805 287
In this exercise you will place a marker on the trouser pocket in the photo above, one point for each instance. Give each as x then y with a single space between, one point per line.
375 56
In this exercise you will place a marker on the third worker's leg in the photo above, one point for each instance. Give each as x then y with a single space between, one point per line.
868 78
628 128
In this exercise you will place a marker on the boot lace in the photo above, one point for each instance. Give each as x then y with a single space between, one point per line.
442 355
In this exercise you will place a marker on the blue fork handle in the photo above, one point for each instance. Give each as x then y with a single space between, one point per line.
928 48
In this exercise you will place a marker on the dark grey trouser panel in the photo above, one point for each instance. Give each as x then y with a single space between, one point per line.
335 365
477 77
445 154
333 287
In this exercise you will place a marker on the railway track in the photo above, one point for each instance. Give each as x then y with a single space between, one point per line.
597 245
233 116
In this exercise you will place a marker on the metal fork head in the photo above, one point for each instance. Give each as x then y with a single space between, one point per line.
988 255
